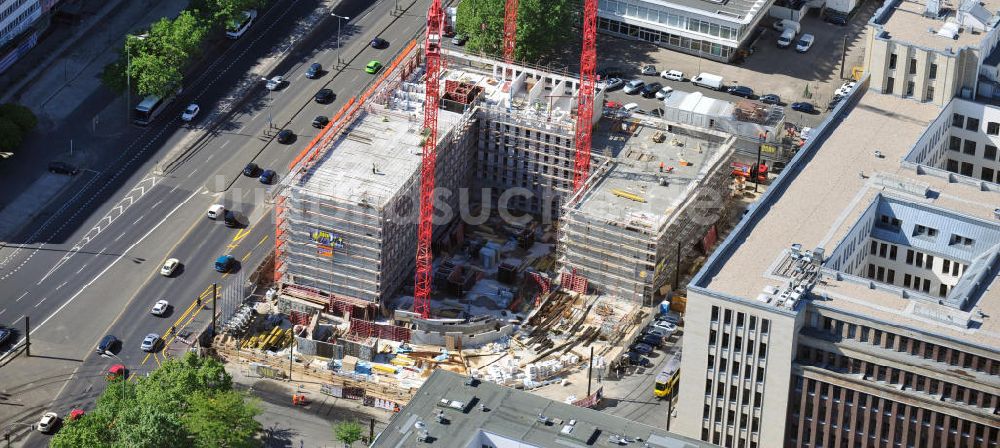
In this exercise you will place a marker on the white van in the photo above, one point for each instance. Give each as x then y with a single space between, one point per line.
215 211
708 80
672 75
786 38
785 24
236 28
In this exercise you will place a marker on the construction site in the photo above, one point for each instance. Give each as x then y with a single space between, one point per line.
535 266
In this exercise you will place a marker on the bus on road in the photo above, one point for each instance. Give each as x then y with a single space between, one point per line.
666 381
151 106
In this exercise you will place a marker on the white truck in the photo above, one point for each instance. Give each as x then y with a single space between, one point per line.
708 80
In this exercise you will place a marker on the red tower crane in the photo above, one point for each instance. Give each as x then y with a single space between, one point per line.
509 30
585 98
425 228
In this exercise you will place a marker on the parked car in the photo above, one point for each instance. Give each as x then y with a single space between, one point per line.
630 107
636 359
169 267
150 342
373 67
647 70
267 177
320 122
804 107
160 308
379 43
741 91
449 31
664 92
651 339
672 75
770 98
286 136
237 27
649 90
633 86
275 83
324 96
48 422
613 83
63 168
658 112
836 19
610 72
667 327
250 171
786 38
315 71
805 43
656 331
845 89
190 112
459 39
641 348
116 371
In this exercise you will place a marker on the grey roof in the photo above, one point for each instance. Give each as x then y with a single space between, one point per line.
731 8
510 414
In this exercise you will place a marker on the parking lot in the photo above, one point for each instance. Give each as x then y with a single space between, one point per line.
807 77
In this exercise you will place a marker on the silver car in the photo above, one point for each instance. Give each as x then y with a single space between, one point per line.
150 342
634 86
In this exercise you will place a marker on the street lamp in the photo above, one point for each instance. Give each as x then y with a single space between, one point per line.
108 353
339 18
128 73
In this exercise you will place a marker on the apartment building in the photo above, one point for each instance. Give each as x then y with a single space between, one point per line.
856 304
710 29
931 50
962 140
21 23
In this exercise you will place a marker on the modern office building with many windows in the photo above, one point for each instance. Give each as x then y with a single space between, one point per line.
711 29
857 304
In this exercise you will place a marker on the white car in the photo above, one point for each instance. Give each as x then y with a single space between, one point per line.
845 89
191 112
150 342
648 70
633 86
664 92
630 107
236 28
673 75
169 267
216 211
275 82
48 422
805 43
664 325
160 307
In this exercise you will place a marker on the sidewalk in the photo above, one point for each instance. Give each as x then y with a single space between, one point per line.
57 80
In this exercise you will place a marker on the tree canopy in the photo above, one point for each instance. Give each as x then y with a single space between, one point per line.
16 121
152 63
543 26
347 432
186 399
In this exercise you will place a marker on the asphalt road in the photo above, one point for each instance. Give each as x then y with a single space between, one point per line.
100 273
631 396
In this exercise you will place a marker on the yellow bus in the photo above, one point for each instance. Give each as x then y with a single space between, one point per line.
666 381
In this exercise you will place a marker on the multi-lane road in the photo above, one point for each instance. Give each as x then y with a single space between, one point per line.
90 264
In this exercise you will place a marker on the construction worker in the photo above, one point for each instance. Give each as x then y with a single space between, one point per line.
661 167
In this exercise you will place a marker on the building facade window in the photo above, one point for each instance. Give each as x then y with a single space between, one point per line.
929 96
992 128
913 66
969 147
933 72
892 62
889 85
972 124
990 153
958 120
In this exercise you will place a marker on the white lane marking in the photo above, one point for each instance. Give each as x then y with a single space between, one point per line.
3 311
137 220
101 252
175 187
81 269
209 159
223 145
60 285
157 203
40 302
119 236
22 296
15 323
110 265
192 173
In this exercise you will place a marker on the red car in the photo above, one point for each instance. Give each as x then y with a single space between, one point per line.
448 31
116 371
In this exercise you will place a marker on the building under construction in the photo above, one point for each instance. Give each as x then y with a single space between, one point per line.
347 213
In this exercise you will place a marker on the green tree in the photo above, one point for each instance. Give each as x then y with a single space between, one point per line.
19 115
10 135
189 399
222 419
543 26
347 432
